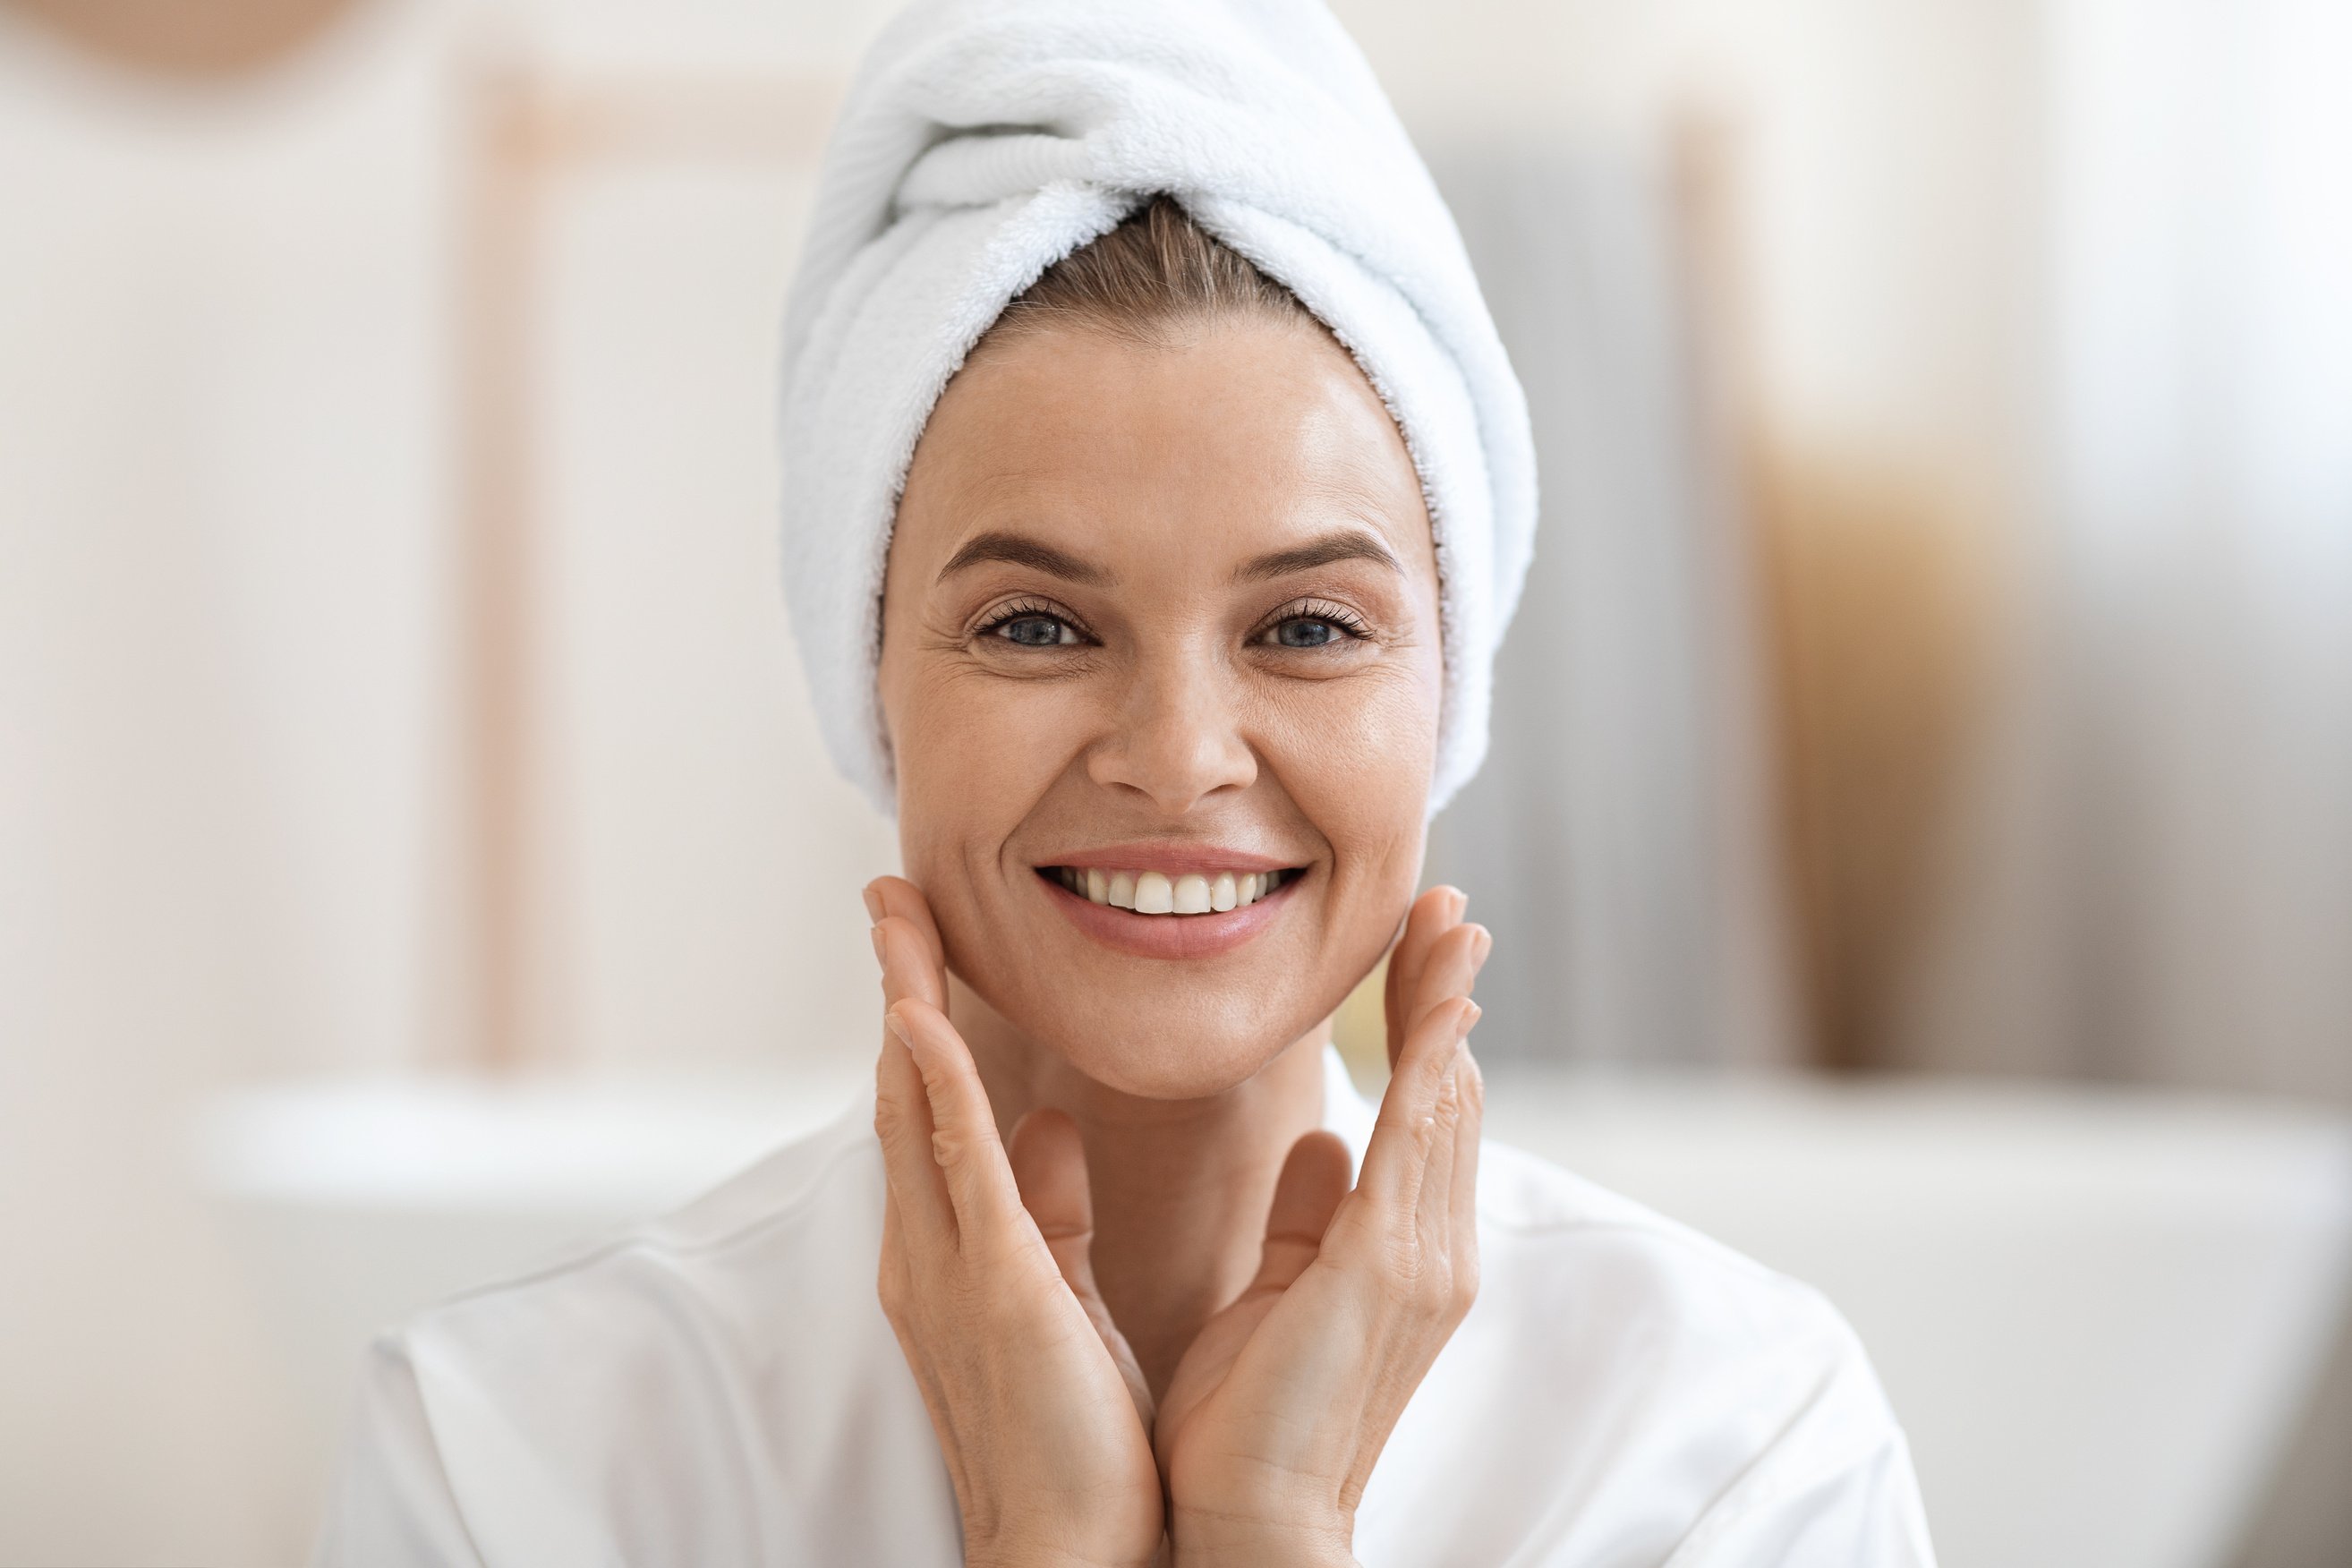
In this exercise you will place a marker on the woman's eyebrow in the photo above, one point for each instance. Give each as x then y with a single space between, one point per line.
1018 550
1352 545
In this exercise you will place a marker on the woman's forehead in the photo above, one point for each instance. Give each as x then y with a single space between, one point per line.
1234 441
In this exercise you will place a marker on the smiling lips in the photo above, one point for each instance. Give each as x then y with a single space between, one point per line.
1165 893
1212 906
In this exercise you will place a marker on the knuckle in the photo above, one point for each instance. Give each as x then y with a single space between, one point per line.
1436 1055
895 1287
948 1148
1420 1133
1435 1297
1465 1289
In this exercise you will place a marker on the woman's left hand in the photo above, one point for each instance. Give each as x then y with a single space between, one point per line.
1274 1419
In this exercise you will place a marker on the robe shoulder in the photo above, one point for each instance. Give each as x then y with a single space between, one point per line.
1625 1372
719 1385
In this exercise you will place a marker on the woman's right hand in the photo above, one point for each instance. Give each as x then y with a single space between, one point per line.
1040 1409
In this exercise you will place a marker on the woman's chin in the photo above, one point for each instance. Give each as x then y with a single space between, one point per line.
1150 1029
1159 1069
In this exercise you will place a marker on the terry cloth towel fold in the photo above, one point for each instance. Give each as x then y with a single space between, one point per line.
983 140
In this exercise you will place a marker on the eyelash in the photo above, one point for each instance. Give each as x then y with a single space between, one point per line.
1028 610
1345 621
1350 625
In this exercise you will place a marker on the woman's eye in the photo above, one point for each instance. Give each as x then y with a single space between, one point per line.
1036 631
1306 631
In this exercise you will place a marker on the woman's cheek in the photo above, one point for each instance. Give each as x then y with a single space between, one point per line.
1358 754
980 750
1358 758
949 772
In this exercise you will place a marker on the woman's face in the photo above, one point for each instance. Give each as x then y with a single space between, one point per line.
1160 630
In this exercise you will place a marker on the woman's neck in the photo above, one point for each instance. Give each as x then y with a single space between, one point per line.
1181 1187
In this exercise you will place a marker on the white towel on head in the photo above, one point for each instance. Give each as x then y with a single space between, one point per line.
983 140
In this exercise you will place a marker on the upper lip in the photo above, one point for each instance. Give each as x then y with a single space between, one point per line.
1206 858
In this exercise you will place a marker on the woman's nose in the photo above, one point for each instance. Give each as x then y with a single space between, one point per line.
1179 737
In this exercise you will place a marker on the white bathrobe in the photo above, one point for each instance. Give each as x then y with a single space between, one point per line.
721 1388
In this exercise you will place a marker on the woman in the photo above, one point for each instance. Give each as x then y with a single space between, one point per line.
1153 587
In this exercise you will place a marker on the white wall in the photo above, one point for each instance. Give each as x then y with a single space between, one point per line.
216 615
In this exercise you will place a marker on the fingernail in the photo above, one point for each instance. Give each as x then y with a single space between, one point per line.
877 934
873 904
1485 945
1470 1020
898 1027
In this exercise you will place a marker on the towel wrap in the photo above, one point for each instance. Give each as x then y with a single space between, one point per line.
981 142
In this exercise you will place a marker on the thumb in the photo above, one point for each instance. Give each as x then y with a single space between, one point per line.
1314 1180
1049 1166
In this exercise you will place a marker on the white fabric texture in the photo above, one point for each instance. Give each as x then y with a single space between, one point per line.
983 140
722 1388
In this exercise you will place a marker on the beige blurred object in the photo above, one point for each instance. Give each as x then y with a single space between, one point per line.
185 39
1878 584
1877 609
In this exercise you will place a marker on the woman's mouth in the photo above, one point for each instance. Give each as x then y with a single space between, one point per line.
1208 910
1150 892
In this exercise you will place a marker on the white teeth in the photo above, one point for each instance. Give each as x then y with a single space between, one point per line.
1154 895
1166 893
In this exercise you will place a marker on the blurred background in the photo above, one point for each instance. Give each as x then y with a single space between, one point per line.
1919 832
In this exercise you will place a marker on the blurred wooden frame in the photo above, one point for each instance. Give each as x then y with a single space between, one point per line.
522 132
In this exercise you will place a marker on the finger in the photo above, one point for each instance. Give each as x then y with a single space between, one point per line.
907 969
1423 921
902 1122
1314 1180
889 896
1433 914
1466 1174
964 1142
1049 1168
1451 970
1433 1201
1405 1133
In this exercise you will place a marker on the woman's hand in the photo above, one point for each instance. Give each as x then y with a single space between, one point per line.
1276 1415
1039 1407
